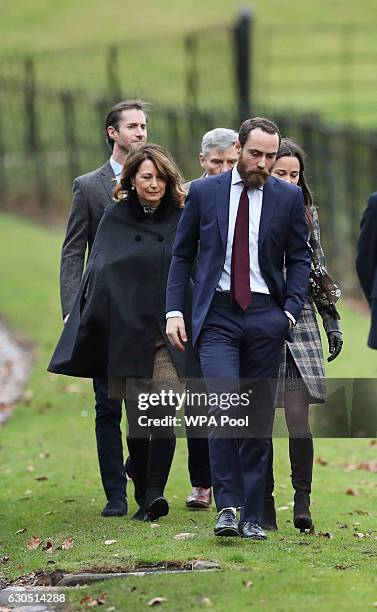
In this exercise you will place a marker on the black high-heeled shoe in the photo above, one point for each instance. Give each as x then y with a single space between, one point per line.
302 519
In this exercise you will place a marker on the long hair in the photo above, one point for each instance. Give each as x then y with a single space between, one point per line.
165 165
289 148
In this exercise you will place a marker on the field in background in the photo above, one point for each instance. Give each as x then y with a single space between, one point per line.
301 61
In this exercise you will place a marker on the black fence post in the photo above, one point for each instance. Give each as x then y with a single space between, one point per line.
31 138
112 71
68 105
33 141
192 80
3 177
242 33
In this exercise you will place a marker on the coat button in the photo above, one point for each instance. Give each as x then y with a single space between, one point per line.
137 238
160 238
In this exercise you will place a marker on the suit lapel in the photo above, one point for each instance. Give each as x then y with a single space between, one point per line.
268 206
108 179
222 196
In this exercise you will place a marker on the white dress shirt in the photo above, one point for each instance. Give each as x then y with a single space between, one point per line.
257 282
117 168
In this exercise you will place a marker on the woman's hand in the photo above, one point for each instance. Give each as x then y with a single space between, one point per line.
176 332
335 344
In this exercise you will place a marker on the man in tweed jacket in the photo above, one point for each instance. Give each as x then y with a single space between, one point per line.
126 127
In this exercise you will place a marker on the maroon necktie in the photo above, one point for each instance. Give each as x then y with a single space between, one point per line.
240 269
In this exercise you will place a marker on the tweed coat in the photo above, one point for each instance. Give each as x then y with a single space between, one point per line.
92 193
306 348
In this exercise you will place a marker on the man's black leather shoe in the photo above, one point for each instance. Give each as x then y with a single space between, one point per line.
227 524
252 531
115 507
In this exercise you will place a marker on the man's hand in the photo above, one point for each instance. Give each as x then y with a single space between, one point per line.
335 344
176 332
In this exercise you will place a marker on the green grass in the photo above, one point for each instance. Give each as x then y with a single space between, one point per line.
287 571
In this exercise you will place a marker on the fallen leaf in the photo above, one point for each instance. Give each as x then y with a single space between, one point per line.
68 500
40 478
321 461
343 566
363 512
22 530
325 534
47 546
359 535
109 542
4 559
373 443
153 525
184 536
28 396
374 604
67 544
33 543
30 468
156 601
72 389
47 513
102 598
206 601
44 455
352 492
85 599
282 508
247 583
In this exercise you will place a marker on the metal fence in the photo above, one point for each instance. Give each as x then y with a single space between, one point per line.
51 132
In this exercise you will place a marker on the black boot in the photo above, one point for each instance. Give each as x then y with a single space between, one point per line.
269 514
161 453
139 451
301 456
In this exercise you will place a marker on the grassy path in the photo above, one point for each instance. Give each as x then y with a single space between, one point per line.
50 484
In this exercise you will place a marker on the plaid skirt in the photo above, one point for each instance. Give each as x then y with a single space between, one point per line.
305 352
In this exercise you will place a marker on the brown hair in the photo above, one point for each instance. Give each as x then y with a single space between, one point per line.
114 115
165 165
289 148
266 125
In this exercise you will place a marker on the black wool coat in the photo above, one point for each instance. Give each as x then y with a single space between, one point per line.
120 307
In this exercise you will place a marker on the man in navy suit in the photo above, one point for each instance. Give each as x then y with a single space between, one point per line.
249 226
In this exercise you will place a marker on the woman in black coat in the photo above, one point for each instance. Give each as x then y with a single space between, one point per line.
117 326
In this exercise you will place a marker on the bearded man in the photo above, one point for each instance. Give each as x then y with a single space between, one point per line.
249 226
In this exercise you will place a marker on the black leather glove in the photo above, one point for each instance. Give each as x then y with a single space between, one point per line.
335 344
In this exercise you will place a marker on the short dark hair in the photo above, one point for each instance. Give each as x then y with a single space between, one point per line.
257 122
115 114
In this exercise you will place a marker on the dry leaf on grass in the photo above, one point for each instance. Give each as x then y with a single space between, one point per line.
72 389
321 461
47 546
67 544
40 478
184 536
153 525
206 601
33 543
352 492
156 601
4 559
86 599
109 542
247 583
44 455
325 534
22 530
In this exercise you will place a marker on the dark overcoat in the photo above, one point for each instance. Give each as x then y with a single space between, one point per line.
366 263
120 308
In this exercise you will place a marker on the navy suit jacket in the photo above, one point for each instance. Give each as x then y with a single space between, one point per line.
283 235
366 262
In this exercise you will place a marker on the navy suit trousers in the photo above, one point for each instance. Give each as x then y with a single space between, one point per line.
235 345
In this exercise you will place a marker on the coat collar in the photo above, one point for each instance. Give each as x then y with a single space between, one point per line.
108 179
